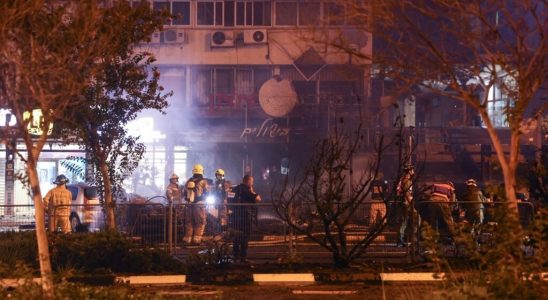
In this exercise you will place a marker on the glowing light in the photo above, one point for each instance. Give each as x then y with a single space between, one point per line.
36 122
210 200
144 128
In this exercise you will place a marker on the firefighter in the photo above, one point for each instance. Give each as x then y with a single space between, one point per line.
196 189
442 197
174 192
404 192
378 196
57 201
220 191
472 203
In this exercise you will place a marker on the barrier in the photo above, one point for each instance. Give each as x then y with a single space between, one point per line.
16 217
164 225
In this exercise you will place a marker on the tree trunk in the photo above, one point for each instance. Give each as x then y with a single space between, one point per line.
508 165
339 260
510 177
41 237
109 204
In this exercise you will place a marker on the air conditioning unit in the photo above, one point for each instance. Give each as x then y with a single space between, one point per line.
255 36
173 36
155 37
222 39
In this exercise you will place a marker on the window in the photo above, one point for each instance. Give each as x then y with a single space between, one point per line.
309 13
312 13
180 11
260 76
201 92
253 13
334 14
228 86
209 13
338 92
223 87
306 91
286 13
244 82
497 103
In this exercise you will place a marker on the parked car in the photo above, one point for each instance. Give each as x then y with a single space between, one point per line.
86 213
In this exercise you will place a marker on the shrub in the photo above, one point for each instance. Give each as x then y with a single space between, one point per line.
18 248
89 252
67 290
108 251
102 252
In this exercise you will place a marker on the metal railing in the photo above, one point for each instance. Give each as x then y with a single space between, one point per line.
16 217
168 226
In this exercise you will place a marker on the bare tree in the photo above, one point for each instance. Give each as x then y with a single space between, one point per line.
50 51
329 197
464 51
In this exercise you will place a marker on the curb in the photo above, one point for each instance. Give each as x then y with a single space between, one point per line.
268 278
426 276
15 282
152 280
293 278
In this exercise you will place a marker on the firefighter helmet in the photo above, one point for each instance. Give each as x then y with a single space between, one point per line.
61 179
198 169
471 182
220 172
174 176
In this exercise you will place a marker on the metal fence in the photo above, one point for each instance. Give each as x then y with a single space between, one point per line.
16 217
169 226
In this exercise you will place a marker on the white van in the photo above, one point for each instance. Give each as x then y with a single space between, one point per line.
86 213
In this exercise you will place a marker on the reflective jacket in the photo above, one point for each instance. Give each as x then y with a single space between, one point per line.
443 191
196 188
174 193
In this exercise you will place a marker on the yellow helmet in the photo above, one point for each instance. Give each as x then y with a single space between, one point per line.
198 169
220 172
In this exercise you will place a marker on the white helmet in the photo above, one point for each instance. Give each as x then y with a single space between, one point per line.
471 182
173 176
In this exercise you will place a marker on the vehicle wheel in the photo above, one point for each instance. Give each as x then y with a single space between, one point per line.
74 222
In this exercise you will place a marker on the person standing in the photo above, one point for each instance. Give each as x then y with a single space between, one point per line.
174 192
404 192
472 202
174 195
378 196
243 214
220 191
442 196
57 201
195 212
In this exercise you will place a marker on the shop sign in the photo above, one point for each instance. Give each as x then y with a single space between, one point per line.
36 122
7 119
9 181
268 129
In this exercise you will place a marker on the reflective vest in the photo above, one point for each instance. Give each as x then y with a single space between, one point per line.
444 191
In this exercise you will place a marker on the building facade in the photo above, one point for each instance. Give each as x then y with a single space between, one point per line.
254 84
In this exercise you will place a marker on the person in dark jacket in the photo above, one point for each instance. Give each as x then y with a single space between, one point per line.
442 196
472 202
243 214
